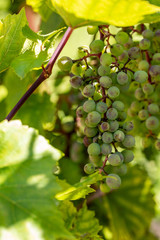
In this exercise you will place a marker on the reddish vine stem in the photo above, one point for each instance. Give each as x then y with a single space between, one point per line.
44 75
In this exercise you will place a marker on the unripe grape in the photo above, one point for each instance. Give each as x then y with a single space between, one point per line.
128 126
96 46
118 105
114 159
82 51
157 144
152 123
96 160
93 118
144 44
101 107
153 108
157 35
65 63
88 72
119 136
140 76
105 81
139 94
87 141
113 126
68 124
122 37
143 65
156 58
148 88
89 168
122 78
113 92
128 156
122 116
120 155
129 44
147 34
104 70
123 57
76 69
90 132
80 112
94 149
88 90
104 126
113 181
89 106
92 30
105 59
106 149
154 71
121 170
104 188
129 141
134 52
143 114
107 137
112 114
117 49
76 82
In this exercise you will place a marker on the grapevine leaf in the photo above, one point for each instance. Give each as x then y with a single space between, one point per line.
119 13
12 39
79 190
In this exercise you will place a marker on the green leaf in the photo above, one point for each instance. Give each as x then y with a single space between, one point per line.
79 190
11 38
28 186
119 13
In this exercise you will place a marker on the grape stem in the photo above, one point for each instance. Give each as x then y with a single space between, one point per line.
44 75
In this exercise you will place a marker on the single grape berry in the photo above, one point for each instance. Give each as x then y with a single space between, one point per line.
101 107
107 137
113 126
122 116
93 118
139 94
76 82
119 136
94 149
80 112
106 149
129 141
76 69
128 126
122 37
152 123
128 156
105 59
134 52
88 90
140 76
122 78
157 144
113 181
89 72
89 106
92 30
118 105
148 88
147 34
113 92
156 58
90 132
112 114
104 70
114 159
144 44
96 46
123 57
143 114
89 168
117 49
153 108
105 81
154 71
104 126
143 65
65 63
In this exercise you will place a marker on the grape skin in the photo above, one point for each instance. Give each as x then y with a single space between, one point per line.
89 168
140 76
101 107
106 149
89 106
96 46
90 132
88 90
94 149
113 92
92 30
114 159
105 126
107 137
112 114
129 141
119 136
65 63
105 81
106 59
113 181
122 78
93 118
114 125
152 123
118 105
153 108
128 156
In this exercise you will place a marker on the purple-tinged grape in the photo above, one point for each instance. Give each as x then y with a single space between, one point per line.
117 49
148 34
76 82
134 52
88 90
107 137
143 65
76 69
154 71
122 37
65 63
80 112
122 78
123 57
93 118
148 88
94 149
112 114
144 44
105 126
157 35
121 170
89 106
143 114
87 141
122 116
128 156
92 30
136 106
90 132
157 144
114 159
129 141
105 81
129 44
153 108
139 94
118 105
113 181
89 168
113 126
89 72
128 126
96 46
104 70
105 59
152 123
119 136
101 107
156 58
140 76
113 92
120 155
106 149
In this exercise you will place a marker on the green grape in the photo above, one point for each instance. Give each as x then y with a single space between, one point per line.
96 46
94 149
136 106
76 82
114 159
87 141
123 57
129 141
153 108
106 149
154 71
117 49
101 107
93 118
76 69
157 144
156 58
113 181
144 44
152 123
143 114
89 72
140 76
92 30
89 106
80 112
90 132
143 65
121 170
82 51
140 28
88 90
113 92
105 81
89 168
107 137
157 35
139 94
105 59
122 78
122 37
104 188
112 114
148 88
104 126
120 155
122 116
118 105
96 160
128 156
128 126
119 136
104 70
147 34
134 52
68 124
65 63
128 44
113 126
